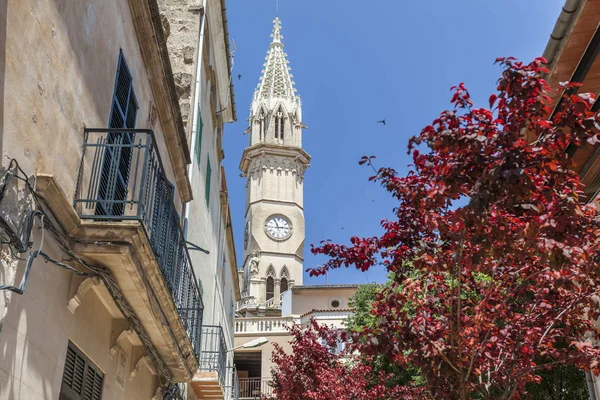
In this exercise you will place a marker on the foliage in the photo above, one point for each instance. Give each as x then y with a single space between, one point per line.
564 382
504 250
361 319
314 370
361 304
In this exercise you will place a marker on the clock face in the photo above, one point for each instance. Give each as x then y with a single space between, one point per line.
246 235
278 227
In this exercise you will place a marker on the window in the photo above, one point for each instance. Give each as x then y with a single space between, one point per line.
335 302
112 188
284 285
82 380
279 125
207 183
270 288
198 146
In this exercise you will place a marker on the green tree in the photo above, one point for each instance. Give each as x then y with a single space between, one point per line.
362 318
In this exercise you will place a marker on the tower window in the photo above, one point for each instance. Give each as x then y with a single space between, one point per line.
284 285
270 288
279 125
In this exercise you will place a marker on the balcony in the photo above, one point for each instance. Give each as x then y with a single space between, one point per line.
255 388
263 325
124 219
212 377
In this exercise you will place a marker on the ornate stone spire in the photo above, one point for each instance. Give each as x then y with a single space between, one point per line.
276 82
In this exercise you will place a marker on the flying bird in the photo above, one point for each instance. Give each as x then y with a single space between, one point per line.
239 77
382 121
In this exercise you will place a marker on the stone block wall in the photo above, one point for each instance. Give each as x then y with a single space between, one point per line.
181 22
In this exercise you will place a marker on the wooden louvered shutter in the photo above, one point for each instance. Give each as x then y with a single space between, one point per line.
112 190
82 380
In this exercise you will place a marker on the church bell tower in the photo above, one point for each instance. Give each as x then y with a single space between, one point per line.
273 164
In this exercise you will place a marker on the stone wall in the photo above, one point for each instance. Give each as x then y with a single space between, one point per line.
181 22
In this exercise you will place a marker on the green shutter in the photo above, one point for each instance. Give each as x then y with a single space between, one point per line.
199 127
208 176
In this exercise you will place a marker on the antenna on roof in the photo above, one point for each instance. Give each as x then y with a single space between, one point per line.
277 8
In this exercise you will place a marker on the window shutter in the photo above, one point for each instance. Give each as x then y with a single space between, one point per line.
207 187
199 127
112 191
82 380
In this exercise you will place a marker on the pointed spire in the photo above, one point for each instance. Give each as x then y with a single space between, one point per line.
276 35
276 81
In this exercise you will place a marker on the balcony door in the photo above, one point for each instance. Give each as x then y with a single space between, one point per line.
118 146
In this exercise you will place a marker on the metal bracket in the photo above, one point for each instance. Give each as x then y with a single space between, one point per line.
193 246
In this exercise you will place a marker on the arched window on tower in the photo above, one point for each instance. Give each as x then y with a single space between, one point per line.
279 126
285 279
270 288
262 126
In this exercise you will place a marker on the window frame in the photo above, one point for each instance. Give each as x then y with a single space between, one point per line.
89 371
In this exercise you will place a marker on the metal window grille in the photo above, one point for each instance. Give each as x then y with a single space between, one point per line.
82 380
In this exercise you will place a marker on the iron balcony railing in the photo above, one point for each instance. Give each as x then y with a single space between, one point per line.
121 177
233 385
213 356
255 388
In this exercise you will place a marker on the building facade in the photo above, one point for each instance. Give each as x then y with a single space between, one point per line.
274 164
113 221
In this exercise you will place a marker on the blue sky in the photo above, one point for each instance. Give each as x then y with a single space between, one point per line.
356 62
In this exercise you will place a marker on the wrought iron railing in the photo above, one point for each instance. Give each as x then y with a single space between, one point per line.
233 385
213 357
121 177
255 388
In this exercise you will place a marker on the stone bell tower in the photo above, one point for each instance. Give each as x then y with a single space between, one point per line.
273 164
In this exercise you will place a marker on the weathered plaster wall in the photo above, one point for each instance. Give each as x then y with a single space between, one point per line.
38 327
60 75
206 226
59 65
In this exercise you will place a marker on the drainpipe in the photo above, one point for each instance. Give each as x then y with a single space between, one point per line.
564 23
195 116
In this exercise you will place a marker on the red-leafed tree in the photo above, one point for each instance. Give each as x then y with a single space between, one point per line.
502 274
317 370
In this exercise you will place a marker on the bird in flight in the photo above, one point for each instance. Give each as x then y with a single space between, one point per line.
239 77
382 121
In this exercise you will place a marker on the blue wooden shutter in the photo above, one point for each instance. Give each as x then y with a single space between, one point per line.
112 190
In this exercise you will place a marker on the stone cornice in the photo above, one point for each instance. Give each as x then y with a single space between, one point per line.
268 149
